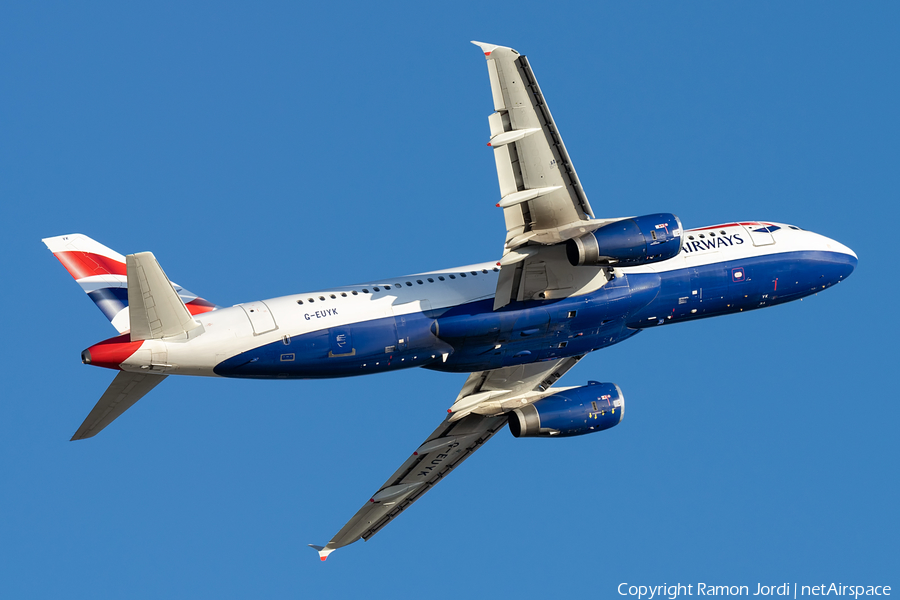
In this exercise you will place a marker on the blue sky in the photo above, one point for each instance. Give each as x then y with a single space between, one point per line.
266 150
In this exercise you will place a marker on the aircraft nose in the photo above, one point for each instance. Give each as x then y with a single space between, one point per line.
847 264
843 259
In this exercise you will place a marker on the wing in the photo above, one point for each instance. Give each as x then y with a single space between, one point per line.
445 448
542 199
477 414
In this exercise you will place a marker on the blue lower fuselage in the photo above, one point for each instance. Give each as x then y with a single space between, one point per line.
473 337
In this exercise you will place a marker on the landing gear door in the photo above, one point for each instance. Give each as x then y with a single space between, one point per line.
760 233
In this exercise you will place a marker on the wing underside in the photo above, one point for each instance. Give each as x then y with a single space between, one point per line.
541 196
448 446
478 413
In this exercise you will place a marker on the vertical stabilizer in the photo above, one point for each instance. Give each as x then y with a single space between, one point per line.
101 273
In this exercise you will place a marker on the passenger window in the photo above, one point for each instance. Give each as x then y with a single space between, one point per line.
299 301
354 293
430 280
453 277
410 284
441 278
375 289
461 275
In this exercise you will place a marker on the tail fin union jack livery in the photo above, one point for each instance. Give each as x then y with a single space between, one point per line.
101 273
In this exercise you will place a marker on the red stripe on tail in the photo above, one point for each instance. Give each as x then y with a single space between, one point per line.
84 264
199 305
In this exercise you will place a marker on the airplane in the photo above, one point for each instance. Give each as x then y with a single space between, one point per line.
567 284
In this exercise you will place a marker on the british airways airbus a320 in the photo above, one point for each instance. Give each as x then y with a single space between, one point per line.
567 284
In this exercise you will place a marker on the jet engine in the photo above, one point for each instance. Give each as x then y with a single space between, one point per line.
586 409
629 242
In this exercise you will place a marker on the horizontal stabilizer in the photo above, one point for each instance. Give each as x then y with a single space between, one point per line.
155 309
125 390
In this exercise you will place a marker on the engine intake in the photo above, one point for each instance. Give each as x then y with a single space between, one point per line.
587 409
629 242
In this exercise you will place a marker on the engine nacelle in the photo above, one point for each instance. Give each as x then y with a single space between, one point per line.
629 242
590 408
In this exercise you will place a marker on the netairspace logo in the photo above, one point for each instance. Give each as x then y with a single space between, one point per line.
649 592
